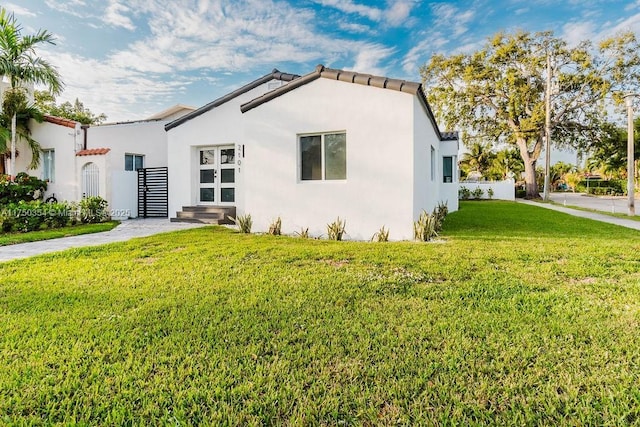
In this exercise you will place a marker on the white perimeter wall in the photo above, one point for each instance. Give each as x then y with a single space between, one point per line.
378 190
502 190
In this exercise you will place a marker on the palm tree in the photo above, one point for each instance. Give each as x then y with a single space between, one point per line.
16 103
19 63
478 159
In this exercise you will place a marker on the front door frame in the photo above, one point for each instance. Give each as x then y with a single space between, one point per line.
216 175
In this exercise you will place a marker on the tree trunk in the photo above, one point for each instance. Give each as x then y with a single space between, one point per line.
12 164
530 179
529 159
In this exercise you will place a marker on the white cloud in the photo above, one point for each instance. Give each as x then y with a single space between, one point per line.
368 60
576 32
398 12
348 6
18 10
115 15
196 38
450 16
418 53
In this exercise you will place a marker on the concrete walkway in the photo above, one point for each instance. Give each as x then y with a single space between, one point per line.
623 222
125 231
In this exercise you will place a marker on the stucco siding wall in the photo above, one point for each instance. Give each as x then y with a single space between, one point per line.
143 138
61 139
378 189
426 181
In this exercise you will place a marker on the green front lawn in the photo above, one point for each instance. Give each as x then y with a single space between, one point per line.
507 322
55 233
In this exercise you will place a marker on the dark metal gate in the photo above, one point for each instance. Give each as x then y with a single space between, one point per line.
153 192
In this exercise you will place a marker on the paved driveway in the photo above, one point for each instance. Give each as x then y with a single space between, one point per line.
611 204
125 231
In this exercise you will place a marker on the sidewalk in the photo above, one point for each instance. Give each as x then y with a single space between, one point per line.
125 231
623 222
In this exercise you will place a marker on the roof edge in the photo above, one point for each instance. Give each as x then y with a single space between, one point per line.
314 75
273 75
405 86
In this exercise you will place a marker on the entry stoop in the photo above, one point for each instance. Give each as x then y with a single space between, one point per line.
206 214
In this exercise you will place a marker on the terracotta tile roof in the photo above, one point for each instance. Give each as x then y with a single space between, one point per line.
449 136
61 121
275 74
358 78
93 152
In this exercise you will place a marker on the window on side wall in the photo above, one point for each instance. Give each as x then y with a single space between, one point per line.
49 165
133 162
447 169
323 157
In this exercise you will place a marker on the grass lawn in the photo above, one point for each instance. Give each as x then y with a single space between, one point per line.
525 316
54 233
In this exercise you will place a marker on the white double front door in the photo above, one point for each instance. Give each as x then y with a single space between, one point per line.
217 175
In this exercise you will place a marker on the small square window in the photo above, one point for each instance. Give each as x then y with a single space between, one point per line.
133 162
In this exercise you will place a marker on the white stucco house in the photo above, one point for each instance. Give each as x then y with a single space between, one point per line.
99 160
311 148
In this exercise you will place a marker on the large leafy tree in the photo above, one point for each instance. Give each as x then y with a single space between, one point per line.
46 103
20 64
497 94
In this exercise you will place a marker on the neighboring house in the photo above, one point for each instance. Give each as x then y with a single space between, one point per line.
309 149
100 160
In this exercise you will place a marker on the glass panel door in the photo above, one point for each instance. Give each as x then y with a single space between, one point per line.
227 175
207 176
217 175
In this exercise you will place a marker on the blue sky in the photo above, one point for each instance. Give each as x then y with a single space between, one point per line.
132 58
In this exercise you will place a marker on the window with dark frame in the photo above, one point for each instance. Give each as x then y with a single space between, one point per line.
133 162
323 157
447 169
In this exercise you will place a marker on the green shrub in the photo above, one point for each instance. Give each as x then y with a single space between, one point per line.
24 216
244 223
275 228
336 229
25 188
381 235
425 228
490 193
59 214
93 210
464 193
477 193
520 193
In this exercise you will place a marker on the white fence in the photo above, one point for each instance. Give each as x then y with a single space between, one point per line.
124 194
502 190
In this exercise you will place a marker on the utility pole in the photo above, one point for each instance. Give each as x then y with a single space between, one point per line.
547 130
630 154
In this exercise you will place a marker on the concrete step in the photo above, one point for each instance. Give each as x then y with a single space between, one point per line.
206 214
